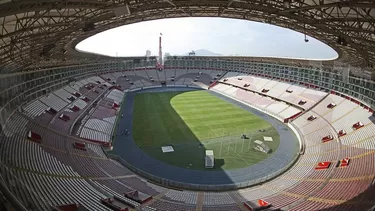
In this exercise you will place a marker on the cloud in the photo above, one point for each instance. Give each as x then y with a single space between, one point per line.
223 36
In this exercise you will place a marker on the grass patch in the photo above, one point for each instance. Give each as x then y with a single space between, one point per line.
195 121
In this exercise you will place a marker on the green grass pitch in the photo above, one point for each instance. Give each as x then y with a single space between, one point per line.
194 121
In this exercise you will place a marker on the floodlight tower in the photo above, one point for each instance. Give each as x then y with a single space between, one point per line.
160 51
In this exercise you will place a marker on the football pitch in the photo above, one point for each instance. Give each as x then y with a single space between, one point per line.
194 121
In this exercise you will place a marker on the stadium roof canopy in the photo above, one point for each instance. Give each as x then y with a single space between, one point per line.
40 30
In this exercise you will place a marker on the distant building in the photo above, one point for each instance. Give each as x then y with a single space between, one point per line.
148 53
166 55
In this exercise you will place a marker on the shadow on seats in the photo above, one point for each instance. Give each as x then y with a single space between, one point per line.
362 202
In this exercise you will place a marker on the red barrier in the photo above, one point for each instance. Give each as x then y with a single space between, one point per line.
292 117
78 145
212 85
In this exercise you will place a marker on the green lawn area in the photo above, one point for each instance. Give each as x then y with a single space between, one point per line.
195 121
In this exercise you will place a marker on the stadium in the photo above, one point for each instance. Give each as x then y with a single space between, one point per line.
81 131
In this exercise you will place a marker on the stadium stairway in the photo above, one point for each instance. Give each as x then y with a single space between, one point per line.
217 80
85 110
200 199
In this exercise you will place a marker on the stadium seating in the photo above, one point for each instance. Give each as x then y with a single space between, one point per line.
45 168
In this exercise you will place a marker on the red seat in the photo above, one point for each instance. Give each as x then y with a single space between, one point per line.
79 145
323 165
311 118
344 162
77 94
51 111
64 117
74 108
342 133
263 203
358 125
34 137
331 105
116 105
260 204
302 102
327 138
85 99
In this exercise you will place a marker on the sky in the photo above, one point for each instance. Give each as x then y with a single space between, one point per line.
219 35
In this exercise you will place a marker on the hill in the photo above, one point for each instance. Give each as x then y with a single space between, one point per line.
203 52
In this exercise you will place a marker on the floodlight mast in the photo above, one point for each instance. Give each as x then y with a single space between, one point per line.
160 51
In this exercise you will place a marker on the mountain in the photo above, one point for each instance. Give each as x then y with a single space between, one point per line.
203 52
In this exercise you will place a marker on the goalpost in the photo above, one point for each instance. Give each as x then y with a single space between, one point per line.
210 160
